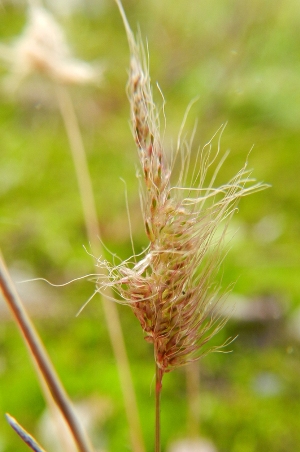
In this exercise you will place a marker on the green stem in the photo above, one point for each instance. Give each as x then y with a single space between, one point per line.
158 388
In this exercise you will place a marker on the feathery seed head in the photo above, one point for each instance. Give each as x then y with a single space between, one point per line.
171 289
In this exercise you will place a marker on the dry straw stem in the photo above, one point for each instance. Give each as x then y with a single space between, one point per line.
171 288
42 359
24 435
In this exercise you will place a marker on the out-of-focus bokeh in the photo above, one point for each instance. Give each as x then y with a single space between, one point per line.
241 61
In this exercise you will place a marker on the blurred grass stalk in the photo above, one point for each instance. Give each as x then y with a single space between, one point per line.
42 359
42 49
93 232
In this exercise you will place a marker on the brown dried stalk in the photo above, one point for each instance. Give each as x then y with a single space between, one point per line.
24 435
40 355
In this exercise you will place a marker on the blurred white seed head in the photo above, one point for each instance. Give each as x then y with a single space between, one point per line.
42 48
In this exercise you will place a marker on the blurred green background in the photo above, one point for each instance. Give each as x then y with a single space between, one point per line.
242 60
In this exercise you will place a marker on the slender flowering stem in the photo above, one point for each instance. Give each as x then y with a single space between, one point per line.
93 232
40 355
158 388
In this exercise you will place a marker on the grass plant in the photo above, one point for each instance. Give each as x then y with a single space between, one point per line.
171 286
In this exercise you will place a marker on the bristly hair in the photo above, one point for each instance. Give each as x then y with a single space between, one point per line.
171 290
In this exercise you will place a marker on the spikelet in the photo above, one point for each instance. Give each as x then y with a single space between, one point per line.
171 288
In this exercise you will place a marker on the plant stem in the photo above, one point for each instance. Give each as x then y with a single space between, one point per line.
42 359
93 232
23 434
62 430
158 388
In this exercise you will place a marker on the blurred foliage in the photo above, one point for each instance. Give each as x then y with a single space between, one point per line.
241 59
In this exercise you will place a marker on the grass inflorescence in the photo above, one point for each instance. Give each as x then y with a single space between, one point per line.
170 288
